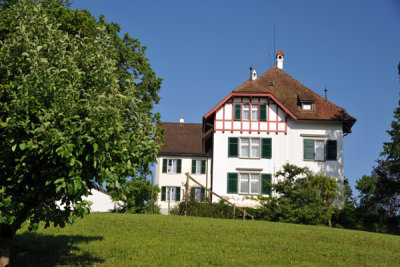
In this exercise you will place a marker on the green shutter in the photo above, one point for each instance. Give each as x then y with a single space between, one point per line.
263 112
164 165
202 194
232 183
331 150
179 166
238 112
178 193
193 166
266 148
266 184
233 144
203 166
163 193
309 150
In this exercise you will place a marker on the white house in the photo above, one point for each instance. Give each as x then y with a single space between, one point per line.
101 201
184 150
261 125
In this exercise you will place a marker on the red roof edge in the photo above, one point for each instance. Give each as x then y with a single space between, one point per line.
248 94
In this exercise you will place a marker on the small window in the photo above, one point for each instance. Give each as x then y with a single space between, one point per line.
331 150
249 147
249 183
171 166
198 166
306 106
254 112
246 112
238 112
199 194
171 193
315 149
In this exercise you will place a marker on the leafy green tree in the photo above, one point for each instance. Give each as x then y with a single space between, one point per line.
75 112
294 200
135 195
328 190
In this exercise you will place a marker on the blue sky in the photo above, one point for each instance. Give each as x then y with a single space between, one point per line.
203 50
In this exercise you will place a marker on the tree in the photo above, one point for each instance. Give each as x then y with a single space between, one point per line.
75 112
328 190
295 201
135 195
380 192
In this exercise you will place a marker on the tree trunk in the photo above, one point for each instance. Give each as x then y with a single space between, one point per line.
6 235
5 247
330 222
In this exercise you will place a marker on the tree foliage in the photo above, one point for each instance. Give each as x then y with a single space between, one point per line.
293 200
301 197
75 111
135 196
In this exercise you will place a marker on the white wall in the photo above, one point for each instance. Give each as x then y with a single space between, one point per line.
101 202
285 148
179 179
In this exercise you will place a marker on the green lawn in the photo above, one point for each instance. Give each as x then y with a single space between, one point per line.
128 239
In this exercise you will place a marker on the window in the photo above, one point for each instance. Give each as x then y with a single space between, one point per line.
250 147
263 112
233 147
171 165
246 112
331 150
249 183
306 106
254 112
244 147
238 112
198 166
199 193
315 149
171 193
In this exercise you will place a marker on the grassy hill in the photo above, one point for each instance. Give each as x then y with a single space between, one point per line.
128 239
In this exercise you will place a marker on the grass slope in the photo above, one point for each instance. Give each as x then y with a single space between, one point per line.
128 239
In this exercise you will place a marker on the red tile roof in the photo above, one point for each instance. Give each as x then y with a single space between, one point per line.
183 139
280 53
290 93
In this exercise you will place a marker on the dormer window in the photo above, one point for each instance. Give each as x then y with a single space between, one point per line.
307 106
306 102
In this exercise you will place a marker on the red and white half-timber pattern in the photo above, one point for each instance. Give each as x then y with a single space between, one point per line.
276 120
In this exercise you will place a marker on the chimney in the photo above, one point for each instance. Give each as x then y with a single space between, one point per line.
181 119
253 73
279 59
272 87
326 93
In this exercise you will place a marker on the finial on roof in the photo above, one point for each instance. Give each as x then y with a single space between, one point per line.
253 73
326 93
279 59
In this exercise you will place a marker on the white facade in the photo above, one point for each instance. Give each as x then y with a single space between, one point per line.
172 180
286 148
101 201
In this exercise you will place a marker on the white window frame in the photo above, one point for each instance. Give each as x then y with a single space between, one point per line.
246 112
254 108
198 166
249 174
250 148
307 106
173 168
170 191
316 138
